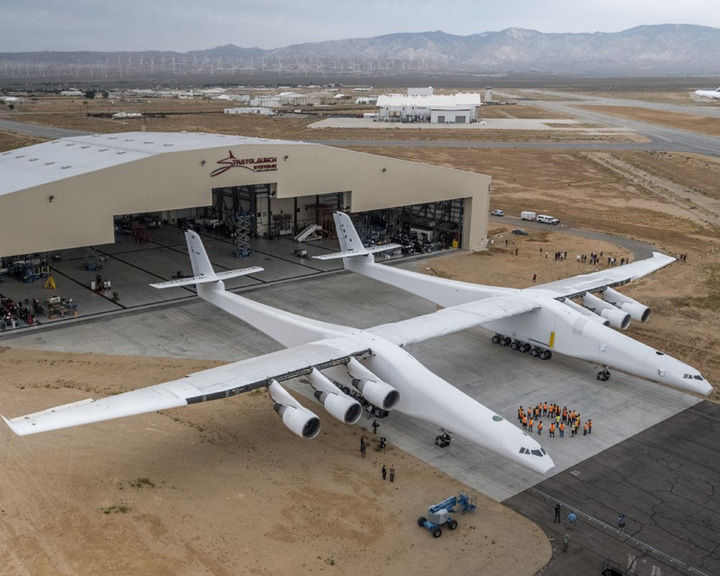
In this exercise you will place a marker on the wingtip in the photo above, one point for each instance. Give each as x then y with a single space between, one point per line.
10 425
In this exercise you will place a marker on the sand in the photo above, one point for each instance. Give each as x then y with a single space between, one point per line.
221 488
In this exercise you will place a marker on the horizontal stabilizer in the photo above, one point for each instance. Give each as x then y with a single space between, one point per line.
206 279
360 252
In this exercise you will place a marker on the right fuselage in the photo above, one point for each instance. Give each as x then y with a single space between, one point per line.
555 326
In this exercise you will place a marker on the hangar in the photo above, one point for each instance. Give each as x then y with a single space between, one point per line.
69 192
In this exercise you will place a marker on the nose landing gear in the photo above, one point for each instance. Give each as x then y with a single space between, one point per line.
603 375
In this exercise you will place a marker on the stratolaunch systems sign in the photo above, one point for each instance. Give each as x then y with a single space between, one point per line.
266 164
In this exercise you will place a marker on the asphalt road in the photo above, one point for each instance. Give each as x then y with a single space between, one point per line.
665 480
638 248
39 130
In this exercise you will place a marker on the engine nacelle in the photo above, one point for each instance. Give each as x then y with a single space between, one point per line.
340 406
336 402
587 313
637 311
378 393
617 317
296 417
371 387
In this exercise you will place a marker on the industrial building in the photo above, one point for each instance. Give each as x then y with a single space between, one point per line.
423 105
72 192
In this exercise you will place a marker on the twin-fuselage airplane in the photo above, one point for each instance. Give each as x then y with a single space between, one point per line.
372 365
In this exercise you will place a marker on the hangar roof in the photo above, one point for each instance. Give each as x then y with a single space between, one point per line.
66 157
430 101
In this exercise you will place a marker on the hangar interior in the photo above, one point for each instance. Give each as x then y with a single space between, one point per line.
106 212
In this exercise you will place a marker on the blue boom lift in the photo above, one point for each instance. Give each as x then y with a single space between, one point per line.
439 514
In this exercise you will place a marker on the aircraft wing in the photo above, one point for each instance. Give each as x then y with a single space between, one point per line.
454 319
213 384
578 285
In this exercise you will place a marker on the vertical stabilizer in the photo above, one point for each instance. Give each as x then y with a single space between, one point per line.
347 235
198 257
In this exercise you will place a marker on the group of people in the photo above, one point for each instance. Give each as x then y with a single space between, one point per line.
559 420
594 259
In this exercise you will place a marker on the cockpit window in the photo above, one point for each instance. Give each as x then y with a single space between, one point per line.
659 353
698 377
540 452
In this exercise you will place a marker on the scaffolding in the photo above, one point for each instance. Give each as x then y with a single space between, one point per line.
243 229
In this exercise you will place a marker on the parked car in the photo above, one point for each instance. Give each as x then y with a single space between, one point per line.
519 232
547 219
497 213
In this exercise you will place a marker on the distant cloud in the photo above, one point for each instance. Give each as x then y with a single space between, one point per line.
188 25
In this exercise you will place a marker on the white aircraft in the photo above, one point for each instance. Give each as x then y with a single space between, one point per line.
345 367
553 323
708 93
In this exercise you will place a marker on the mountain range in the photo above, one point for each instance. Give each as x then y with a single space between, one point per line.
662 50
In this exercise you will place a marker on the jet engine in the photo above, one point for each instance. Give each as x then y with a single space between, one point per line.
618 318
297 418
585 312
371 387
336 402
637 311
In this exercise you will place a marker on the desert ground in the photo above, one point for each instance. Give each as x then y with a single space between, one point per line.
207 116
222 491
699 123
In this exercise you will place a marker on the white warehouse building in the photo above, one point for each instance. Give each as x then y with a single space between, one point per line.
422 105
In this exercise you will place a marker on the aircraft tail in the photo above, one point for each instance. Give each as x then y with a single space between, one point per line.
350 243
203 272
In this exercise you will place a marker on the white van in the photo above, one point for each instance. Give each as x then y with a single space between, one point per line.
527 215
545 219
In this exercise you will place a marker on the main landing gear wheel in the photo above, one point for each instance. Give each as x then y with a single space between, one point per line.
546 355
526 348
496 339
604 375
506 341
515 345
535 352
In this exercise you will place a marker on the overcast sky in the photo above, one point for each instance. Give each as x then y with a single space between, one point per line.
196 24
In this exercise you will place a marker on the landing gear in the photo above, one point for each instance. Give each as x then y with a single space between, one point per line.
443 439
604 375
521 346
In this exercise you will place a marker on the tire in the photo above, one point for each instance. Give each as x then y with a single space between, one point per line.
506 341
452 524
515 345
534 352
526 348
546 354
437 533
496 339
421 521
